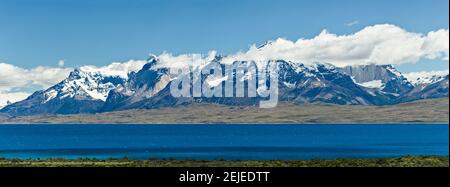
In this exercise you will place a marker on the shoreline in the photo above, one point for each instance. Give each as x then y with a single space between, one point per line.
404 161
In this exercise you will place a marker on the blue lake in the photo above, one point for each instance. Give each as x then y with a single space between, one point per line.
236 142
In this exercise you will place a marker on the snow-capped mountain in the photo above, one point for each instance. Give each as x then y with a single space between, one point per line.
298 83
84 84
91 90
426 77
84 91
434 89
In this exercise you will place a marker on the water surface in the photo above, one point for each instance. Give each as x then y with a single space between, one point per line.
236 142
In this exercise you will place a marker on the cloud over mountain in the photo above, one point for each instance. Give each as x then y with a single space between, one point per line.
17 83
120 69
378 44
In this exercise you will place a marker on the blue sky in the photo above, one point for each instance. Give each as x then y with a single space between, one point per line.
98 32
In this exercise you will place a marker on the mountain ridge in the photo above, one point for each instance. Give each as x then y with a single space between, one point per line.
87 90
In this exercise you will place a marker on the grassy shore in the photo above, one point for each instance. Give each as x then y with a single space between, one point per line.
407 161
432 110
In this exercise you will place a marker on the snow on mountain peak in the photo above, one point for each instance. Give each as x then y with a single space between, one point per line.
426 77
84 83
91 82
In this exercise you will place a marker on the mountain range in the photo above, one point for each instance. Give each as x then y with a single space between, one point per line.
87 90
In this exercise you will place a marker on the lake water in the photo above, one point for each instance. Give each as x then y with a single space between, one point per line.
237 142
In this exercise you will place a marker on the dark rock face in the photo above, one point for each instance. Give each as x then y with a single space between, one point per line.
144 84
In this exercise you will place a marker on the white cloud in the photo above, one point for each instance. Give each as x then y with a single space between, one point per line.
13 77
356 22
116 68
378 44
169 60
11 97
436 45
61 63
17 83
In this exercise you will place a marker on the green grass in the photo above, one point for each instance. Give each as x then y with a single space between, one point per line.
407 161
